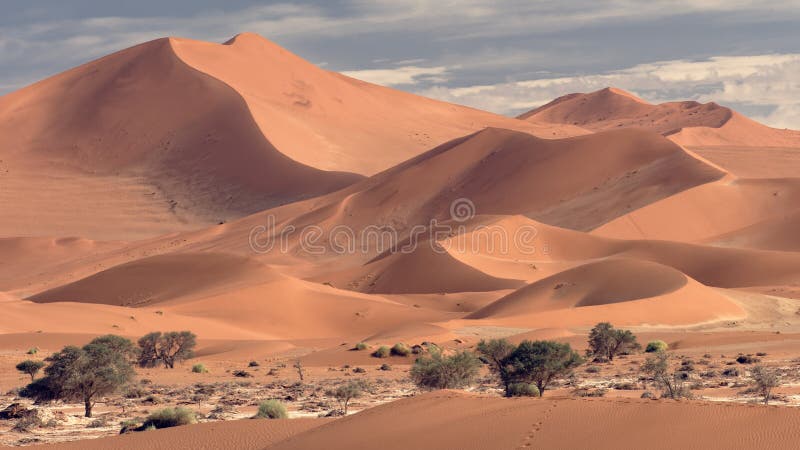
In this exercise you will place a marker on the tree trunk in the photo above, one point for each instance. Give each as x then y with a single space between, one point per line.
87 404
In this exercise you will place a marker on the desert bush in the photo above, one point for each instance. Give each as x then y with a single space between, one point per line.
400 350
134 391
385 367
242 374
608 342
445 372
152 400
656 346
30 367
382 352
764 381
359 370
522 390
672 384
98 368
167 348
27 423
747 359
33 350
538 362
762 354
253 364
584 392
626 386
271 409
361 346
98 423
731 372
127 426
592 369
199 368
170 417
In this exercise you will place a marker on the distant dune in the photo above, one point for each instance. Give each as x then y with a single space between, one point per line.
687 123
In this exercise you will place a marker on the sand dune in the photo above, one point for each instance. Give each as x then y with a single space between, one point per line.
775 233
410 273
152 280
454 420
686 123
333 122
621 291
175 134
143 113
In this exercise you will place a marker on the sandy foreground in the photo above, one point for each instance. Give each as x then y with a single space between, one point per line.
180 196
457 420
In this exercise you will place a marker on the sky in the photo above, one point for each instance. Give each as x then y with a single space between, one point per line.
503 56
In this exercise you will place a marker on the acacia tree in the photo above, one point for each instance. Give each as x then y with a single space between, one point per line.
445 372
765 380
166 348
83 373
30 367
539 362
346 392
605 340
495 351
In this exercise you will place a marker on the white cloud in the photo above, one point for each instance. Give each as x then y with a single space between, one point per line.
405 75
764 82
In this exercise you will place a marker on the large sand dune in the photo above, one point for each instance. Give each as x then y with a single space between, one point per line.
176 134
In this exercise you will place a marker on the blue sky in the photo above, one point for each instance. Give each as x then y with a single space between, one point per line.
504 56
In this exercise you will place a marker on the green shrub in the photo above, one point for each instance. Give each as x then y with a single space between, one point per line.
199 368
382 352
170 417
445 372
592 369
361 346
271 409
656 346
253 364
523 390
33 350
400 350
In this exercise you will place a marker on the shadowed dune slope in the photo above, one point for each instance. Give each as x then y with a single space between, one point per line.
707 211
427 269
687 123
578 182
776 233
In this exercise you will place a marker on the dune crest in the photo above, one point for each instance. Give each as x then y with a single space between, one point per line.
686 123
